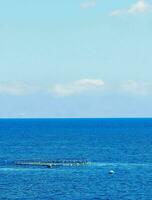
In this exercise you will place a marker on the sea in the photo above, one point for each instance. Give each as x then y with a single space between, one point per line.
122 146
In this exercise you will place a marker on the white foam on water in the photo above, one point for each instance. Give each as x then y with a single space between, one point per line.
7 169
90 164
100 164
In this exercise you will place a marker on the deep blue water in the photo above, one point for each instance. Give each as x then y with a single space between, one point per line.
122 145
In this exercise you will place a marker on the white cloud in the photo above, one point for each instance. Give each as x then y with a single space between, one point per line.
89 4
141 6
16 88
77 87
117 12
137 88
82 86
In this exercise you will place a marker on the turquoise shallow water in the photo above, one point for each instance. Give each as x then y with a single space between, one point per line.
122 145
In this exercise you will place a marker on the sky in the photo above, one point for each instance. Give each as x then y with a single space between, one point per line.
81 58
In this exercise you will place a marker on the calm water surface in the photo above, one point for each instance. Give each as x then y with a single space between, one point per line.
122 145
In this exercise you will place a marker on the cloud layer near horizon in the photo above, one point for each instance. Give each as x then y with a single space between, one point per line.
78 87
17 88
137 88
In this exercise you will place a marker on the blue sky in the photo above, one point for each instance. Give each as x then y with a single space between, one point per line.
82 58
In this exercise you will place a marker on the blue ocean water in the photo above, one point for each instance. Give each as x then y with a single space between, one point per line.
122 145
